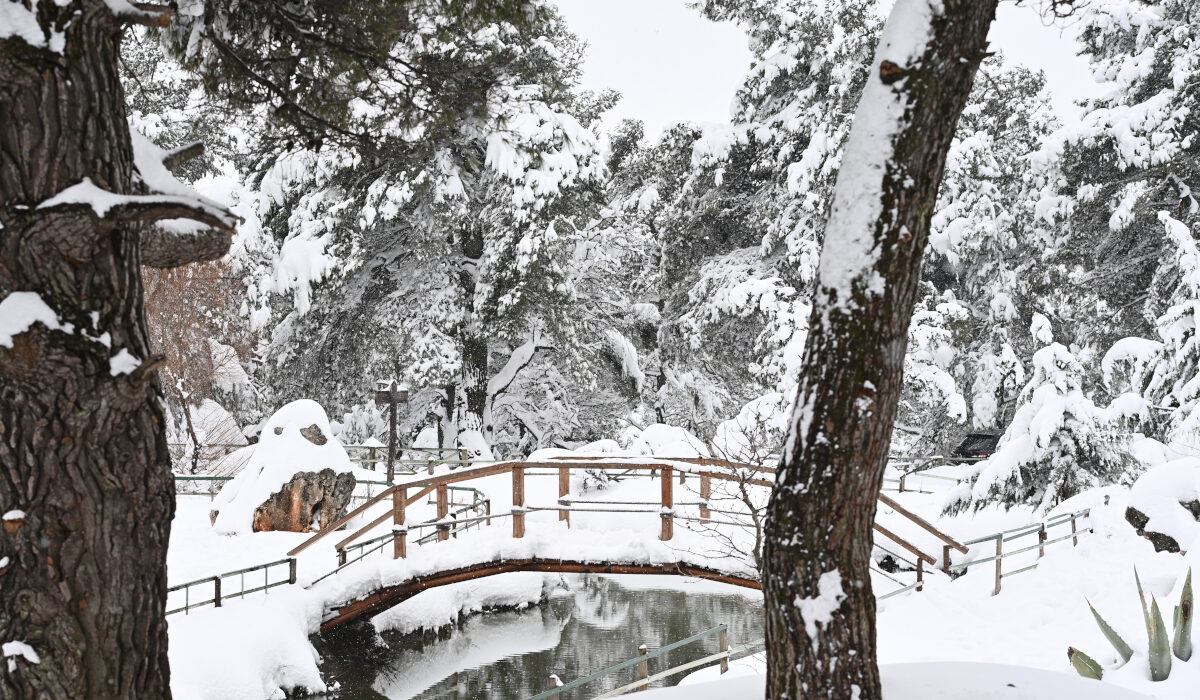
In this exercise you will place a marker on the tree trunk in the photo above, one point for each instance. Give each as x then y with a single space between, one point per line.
83 448
473 387
819 602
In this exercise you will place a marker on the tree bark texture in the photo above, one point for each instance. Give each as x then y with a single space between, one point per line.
83 450
819 603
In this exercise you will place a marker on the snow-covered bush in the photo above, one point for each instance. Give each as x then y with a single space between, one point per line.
1057 445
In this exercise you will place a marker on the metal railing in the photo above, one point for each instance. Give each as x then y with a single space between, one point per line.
1038 530
642 662
212 481
221 593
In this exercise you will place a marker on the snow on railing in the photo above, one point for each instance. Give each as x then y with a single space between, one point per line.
220 592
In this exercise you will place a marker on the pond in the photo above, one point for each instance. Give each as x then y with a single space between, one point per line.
594 623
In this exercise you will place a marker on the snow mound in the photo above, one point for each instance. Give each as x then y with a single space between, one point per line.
663 440
282 452
1160 493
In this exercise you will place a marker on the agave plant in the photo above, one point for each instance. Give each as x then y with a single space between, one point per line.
1161 645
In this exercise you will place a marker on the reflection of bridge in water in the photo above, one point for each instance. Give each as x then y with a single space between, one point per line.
353 591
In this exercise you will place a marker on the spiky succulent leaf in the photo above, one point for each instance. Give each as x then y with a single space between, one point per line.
1111 635
1142 599
1085 665
1182 643
1160 645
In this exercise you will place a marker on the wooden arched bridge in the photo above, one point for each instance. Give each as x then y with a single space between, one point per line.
355 592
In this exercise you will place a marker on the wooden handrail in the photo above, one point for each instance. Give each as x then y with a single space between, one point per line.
900 541
925 524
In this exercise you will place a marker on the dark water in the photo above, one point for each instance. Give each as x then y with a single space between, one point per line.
593 624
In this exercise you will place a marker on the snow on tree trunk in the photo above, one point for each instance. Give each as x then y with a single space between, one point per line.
83 450
820 607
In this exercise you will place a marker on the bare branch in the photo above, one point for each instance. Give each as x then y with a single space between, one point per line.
166 249
177 157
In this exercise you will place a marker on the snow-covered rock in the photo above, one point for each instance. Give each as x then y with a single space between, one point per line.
1164 504
297 439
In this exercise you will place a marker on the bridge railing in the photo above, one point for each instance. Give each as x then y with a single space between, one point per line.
406 493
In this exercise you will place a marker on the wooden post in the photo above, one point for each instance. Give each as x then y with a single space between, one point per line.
553 682
518 498
371 457
216 591
399 539
668 503
341 557
920 574
999 561
946 559
292 570
705 494
1042 541
902 477
723 638
443 507
643 668
1074 539
564 488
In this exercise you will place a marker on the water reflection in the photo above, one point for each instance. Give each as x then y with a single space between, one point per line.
593 623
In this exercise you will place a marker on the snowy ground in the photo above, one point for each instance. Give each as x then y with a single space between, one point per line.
262 642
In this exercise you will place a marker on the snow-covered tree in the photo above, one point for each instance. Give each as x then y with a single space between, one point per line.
447 265
1058 444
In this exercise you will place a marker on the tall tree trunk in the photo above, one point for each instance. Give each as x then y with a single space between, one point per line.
819 603
472 341
83 448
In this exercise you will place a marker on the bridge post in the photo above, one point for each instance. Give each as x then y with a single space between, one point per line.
564 489
443 507
399 532
518 499
643 668
668 504
705 494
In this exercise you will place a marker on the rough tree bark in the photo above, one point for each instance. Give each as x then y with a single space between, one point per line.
820 606
82 444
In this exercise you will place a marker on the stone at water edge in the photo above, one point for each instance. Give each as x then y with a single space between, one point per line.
306 502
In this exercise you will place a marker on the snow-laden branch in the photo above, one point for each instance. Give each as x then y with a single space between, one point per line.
517 361
187 227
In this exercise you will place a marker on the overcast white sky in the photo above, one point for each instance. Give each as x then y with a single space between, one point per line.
671 65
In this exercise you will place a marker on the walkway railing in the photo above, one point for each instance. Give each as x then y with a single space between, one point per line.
642 663
1036 530
220 592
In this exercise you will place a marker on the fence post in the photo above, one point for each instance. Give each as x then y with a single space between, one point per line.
1042 541
1074 539
643 668
216 591
723 638
705 494
443 507
668 504
945 559
399 531
292 570
518 498
999 561
341 557
920 574
564 489
553 682
902 478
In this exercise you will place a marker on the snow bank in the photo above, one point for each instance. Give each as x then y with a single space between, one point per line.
282 452
664 440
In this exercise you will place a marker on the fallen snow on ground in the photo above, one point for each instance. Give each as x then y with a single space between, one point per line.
262 643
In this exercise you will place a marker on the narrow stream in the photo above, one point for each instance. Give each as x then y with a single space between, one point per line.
511 654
